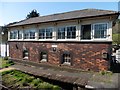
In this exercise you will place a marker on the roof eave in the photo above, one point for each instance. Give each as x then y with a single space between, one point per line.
117 13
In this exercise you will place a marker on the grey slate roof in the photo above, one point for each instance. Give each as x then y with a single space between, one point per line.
66 16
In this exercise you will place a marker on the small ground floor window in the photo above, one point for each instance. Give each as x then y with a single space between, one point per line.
66 58
43 56
25 54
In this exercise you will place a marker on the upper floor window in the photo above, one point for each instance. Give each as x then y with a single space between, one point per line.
61 33
71 32
29 34
45 33
67 32
19 34
13 34
86 32
100 30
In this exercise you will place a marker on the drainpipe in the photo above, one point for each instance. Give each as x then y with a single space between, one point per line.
6 49
2 33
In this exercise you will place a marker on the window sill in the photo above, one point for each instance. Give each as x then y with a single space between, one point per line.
67 63
25 58
43 60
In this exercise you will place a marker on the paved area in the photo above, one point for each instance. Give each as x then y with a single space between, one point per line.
87 79
80 78
6 69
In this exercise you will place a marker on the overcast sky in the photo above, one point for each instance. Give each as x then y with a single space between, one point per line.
16 11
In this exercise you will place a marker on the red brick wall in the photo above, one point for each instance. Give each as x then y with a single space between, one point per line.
84 55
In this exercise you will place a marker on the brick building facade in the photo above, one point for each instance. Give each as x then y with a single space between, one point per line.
77 44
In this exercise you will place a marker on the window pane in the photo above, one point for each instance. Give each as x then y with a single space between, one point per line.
29 34
13 34
66 58
32 34
49 33
61 33
41 33
100 30
19 34
71 32
26 34
86 32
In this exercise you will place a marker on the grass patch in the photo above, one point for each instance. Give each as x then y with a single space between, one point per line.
116 38
6 62
15 78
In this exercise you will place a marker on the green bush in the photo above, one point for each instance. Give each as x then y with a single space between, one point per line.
30 79
17 78
45 85
104 72
6 72
55 87
5 58
36 81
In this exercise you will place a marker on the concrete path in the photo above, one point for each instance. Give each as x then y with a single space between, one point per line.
7 69
87 79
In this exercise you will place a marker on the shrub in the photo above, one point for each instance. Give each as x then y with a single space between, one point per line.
55 87
104 72
5 58
36 81
6 72
45 85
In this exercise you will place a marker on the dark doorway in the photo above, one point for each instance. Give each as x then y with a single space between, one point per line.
86 32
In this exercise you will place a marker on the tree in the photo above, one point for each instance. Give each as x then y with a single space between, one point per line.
32 14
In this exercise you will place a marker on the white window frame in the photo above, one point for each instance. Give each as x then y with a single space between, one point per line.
100 39
29 34
67 39
10 35
45 34
91 33
21 33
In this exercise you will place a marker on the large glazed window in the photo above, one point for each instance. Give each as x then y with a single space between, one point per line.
13 34
68 32
41 33
86 32
19 34
71 32
49 33
100 30
61 33
29 34
45 33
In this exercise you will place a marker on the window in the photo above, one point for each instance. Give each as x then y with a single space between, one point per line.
49 33
19 34
100 30
45 33
66 58
61 33
67 32
29 34
71 32
41 33
43 56
25 54
86 32
13 34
